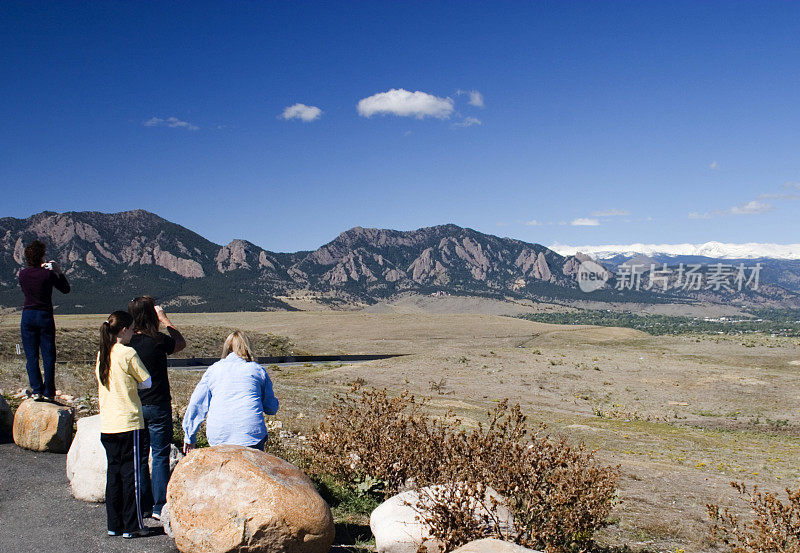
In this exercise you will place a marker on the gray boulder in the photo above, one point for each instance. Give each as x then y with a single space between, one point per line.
492 545
86 462
397 529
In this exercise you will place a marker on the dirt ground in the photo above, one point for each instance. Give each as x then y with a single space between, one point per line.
682 416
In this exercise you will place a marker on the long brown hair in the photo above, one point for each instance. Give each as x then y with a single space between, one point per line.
145 319
108 337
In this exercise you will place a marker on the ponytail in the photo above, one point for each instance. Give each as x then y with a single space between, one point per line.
108 337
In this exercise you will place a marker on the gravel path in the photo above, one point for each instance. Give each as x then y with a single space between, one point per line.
39 515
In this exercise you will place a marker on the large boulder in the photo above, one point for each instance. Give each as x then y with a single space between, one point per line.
43 426
6 418
492 545
86 462
397 527
234 498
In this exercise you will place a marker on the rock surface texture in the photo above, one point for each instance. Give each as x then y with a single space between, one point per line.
231 498
491 545
86 462
43 426
6 418
396 527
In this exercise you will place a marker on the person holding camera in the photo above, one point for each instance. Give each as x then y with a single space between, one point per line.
153 347
38 327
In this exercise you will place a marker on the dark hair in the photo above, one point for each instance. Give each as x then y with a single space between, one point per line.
34 253
145 319
108 336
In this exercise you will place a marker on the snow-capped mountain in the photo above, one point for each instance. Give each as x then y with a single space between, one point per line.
715 250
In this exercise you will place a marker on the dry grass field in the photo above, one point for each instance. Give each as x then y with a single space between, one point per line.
682 416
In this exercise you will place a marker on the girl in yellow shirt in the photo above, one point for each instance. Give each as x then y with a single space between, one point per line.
120 373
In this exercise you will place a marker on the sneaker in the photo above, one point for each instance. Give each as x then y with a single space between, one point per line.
141 533
156 516
38 397
114 533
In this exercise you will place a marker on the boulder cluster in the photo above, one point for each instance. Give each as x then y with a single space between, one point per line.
231 498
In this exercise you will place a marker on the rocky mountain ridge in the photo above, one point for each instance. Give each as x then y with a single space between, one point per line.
113 257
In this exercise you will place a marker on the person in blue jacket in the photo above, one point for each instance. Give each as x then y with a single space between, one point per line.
232 396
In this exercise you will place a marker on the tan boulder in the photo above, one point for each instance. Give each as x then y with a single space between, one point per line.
231 498
6 418
492 545
43 426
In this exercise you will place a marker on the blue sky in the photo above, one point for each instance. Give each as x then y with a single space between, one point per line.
595 122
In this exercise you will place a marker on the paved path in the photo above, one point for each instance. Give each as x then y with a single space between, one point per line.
39 515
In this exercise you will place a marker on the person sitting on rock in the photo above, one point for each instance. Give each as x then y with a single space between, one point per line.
37 327
120 373
234 392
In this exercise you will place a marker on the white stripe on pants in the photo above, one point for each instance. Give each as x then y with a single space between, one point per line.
137 477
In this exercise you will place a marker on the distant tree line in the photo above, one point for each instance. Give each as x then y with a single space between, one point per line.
772 321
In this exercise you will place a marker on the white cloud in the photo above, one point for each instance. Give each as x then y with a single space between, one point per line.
753 207
468 122
403 103
585 222
750 208
172 122
790 184
475 97
303 112
502 224
790 196
610 213
713 166
533 223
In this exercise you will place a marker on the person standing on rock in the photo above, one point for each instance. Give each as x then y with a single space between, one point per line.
38 327
120 374
234 392
153 347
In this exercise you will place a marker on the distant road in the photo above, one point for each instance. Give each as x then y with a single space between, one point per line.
39 515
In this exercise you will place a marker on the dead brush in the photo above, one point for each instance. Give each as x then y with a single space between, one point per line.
367 435
774 527
558 495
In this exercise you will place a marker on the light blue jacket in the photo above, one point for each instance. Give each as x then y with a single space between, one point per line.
235 394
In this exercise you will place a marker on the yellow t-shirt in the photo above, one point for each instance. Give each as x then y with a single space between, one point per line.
120 407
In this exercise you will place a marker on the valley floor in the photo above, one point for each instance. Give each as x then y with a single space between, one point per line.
682 416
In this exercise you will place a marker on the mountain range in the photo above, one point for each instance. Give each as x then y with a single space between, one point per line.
110 258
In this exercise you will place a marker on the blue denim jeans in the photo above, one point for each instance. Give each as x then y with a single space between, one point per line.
158 434
260 445
38 330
